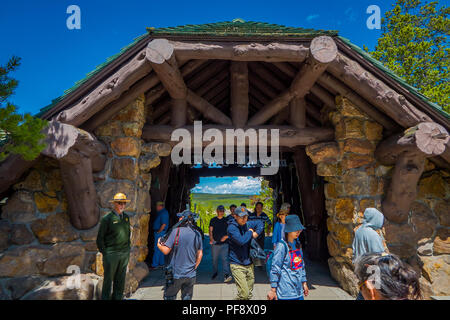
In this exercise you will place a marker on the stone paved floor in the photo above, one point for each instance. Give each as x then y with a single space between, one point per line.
321 285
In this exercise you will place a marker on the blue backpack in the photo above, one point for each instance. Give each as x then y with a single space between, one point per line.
269 258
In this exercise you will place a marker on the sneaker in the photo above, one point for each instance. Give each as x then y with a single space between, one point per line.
214 276
228 278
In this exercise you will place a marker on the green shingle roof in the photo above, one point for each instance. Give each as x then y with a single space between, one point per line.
240 28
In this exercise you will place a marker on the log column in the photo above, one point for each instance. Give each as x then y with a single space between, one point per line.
75 150
239 93
313 200
297 112
407 151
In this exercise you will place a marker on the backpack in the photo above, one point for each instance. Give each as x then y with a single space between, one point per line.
269 258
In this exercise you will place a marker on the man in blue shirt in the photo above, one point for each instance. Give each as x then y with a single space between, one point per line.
259 214
240 234
160 226
185 243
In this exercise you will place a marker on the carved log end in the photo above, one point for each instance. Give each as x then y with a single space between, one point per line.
323 49
159 50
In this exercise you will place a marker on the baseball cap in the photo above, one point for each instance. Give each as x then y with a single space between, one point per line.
241 211
221 208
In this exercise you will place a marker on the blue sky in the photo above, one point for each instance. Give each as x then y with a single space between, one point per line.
54 57
241 185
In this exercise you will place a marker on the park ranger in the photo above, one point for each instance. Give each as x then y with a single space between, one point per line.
113 241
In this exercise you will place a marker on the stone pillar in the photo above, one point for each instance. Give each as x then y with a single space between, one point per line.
353 183
127 170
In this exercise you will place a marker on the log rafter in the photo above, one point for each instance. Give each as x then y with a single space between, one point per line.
107 92
160 53
376 92
323 50
327 79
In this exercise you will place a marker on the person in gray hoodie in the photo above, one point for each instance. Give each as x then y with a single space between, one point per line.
367 240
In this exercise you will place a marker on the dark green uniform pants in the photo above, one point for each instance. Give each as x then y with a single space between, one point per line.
115 269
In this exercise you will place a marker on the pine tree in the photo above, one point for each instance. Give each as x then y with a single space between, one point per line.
415 45
19 134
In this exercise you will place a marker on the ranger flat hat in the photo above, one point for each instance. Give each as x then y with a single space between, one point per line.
119 197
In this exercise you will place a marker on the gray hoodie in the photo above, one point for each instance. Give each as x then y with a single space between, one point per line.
366 238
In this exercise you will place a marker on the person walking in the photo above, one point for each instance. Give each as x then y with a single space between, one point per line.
160 227
259 214
367 240
240 234
384 276
218 241
278 229
185 244
288 274
113 241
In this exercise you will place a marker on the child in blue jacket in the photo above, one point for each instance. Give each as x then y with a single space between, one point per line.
278 229
288 275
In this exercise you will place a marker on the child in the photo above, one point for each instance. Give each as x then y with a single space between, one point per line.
288 275
278 229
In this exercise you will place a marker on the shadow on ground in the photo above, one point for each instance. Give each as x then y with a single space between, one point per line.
322 286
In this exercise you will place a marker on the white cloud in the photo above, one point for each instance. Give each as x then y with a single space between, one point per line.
312 17
242 185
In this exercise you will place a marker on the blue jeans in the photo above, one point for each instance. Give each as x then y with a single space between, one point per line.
158 256
222 252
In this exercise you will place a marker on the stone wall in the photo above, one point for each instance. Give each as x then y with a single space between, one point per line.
37 241
355 181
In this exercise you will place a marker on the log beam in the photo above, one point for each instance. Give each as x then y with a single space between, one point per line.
239 93
376 92
288 136
328 80
76 151
237 51
107 92
408 151
428 139
323 50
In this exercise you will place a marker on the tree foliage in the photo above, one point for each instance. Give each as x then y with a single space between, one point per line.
19 134
414 44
